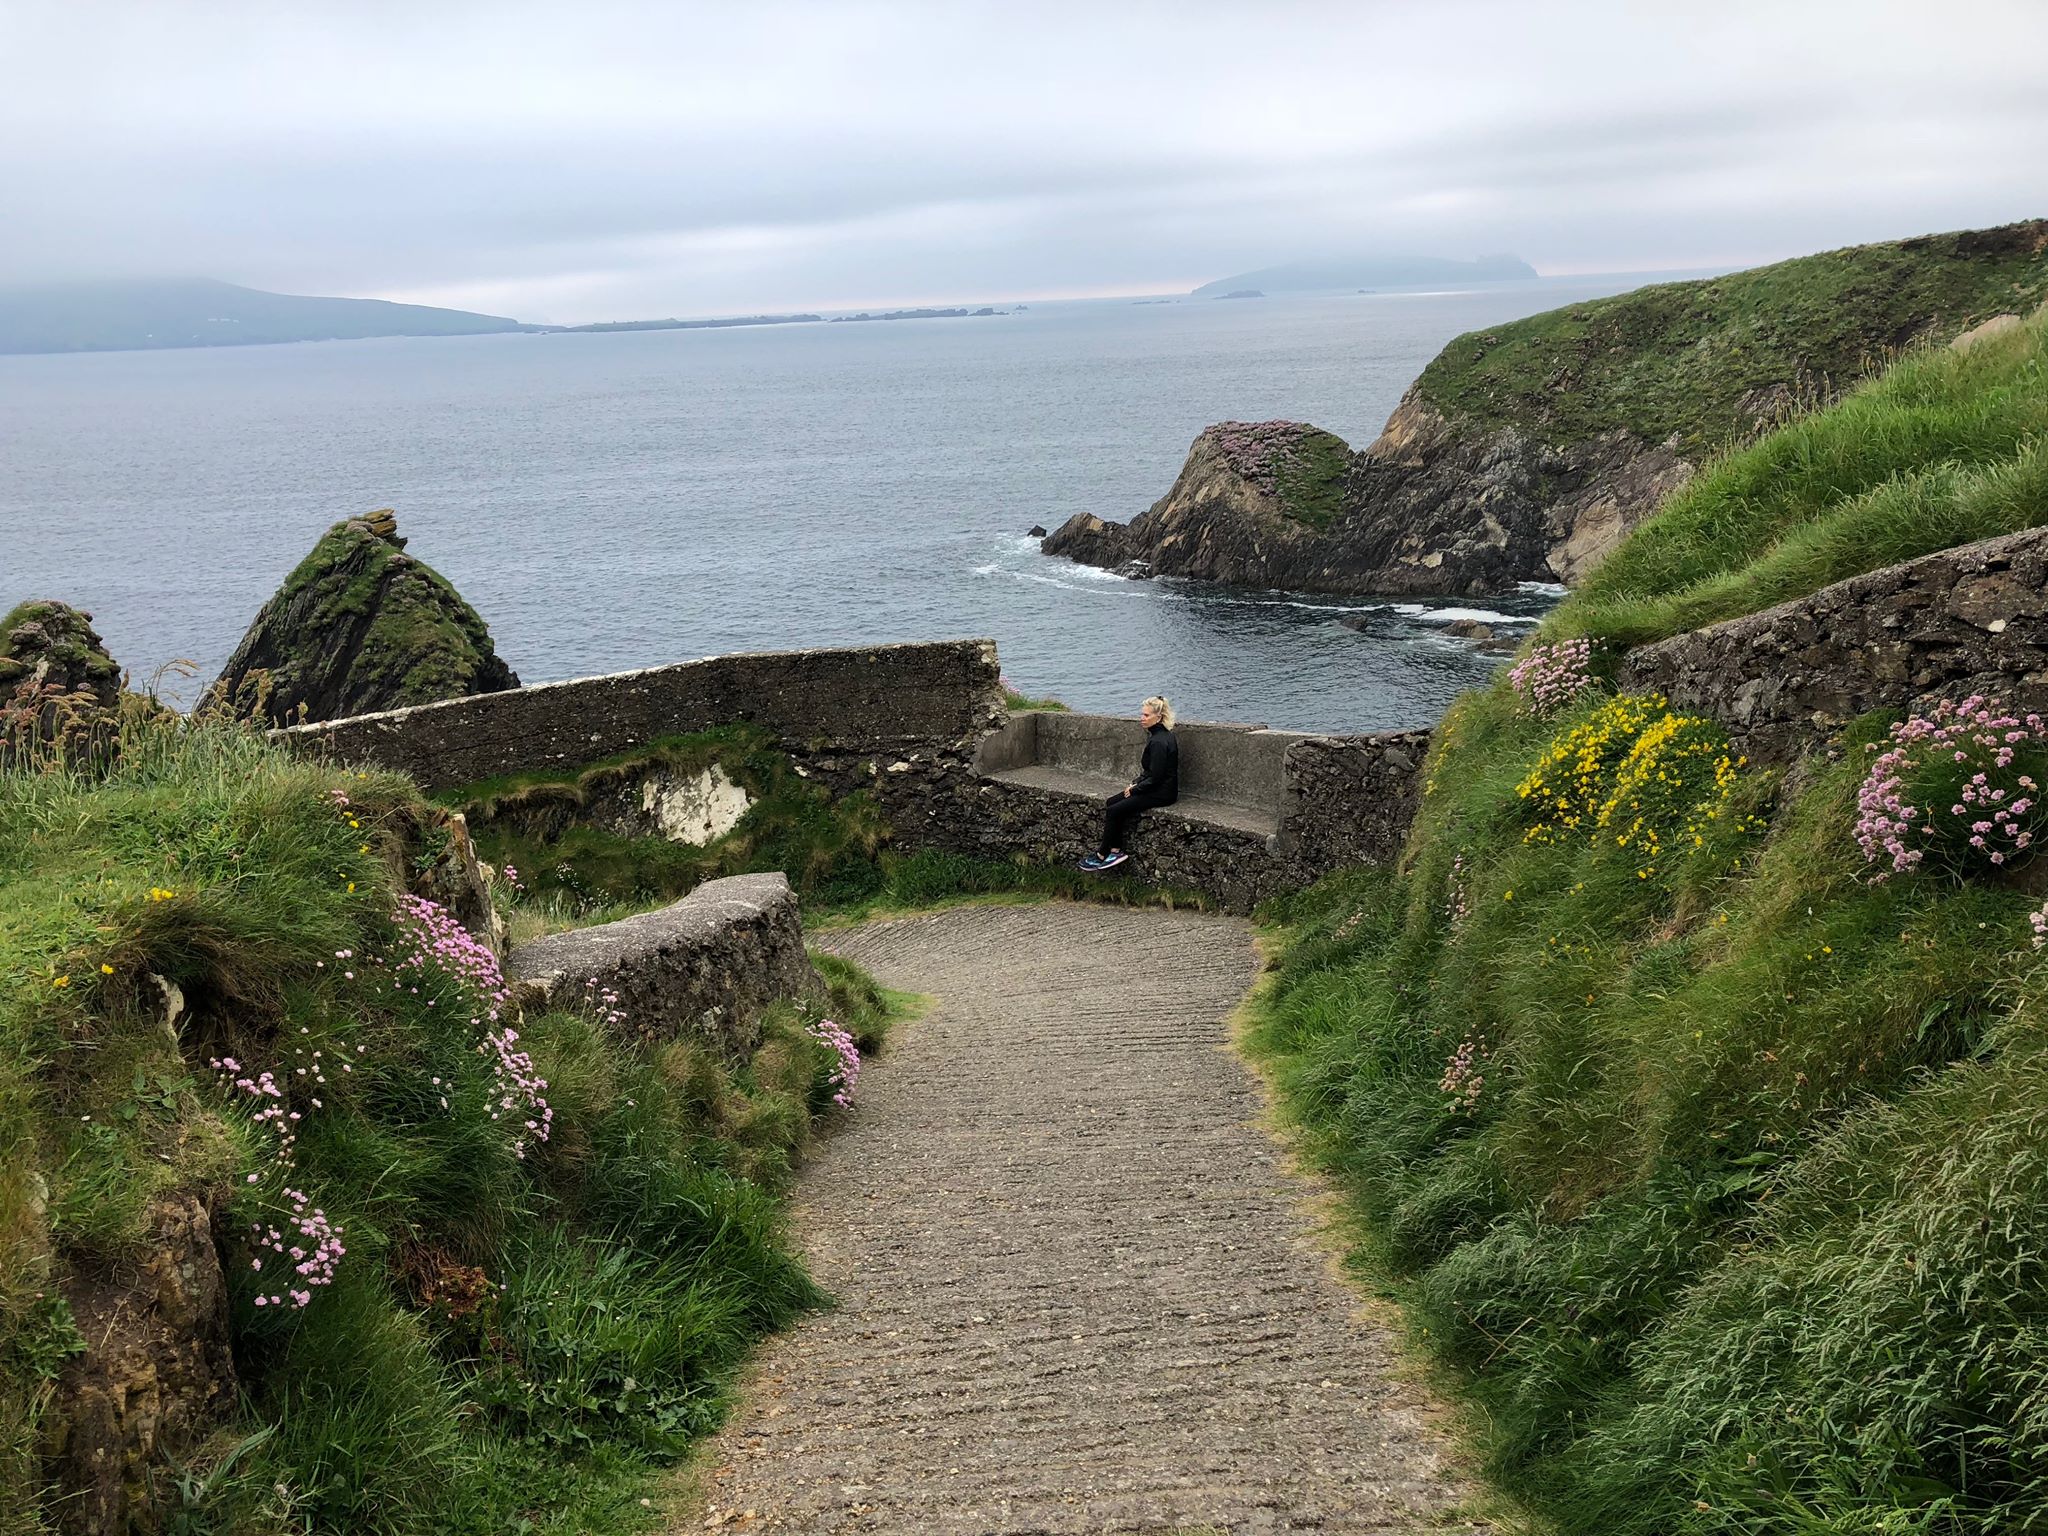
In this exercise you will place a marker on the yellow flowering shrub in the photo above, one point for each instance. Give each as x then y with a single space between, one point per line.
1633 771
1572 780
1673 785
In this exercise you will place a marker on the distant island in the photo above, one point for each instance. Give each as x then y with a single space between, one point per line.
1240 293
200 312
1341 273
919 314
677 325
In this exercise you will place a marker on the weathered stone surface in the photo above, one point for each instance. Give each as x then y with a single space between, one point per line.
155 1377
706 967
1969 619
59 689
1260 811
846 715
1427 509
358 626
1351 800
448 871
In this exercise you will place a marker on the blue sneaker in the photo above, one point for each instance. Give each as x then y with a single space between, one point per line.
1092 862
1114 859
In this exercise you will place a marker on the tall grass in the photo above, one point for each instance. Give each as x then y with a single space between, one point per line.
1946 448
519 1331
1744 1227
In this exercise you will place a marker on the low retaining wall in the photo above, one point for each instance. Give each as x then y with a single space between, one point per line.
705 968
1969 619
1261 811
922 727
842 707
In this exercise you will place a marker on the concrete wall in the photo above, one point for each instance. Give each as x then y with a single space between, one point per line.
1969 619
1326 801
1241 765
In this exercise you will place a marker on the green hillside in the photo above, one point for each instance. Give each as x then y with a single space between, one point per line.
1700 361
476 1281
1712 1155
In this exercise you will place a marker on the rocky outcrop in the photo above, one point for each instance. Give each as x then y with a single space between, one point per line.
1527 453
1252 500
359 626
154 1376
705 968
60 692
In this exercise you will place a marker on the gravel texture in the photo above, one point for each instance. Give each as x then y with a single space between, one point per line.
1078 1290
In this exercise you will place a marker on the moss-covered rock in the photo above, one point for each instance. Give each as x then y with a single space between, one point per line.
59 689
359 626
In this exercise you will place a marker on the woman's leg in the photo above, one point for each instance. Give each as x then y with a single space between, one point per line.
1116 816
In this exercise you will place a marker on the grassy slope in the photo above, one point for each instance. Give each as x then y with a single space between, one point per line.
640 1241
1747 1227
1946 448
1677 359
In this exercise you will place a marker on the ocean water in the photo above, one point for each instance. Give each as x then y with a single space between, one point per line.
625 500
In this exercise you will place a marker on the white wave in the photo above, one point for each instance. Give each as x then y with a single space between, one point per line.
1476 615
1542 588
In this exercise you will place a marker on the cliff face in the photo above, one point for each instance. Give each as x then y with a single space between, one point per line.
359 626
1526 453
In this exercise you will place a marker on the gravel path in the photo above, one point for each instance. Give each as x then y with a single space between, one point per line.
1077 1290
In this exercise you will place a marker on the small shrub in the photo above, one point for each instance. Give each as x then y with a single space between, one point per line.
1551 677
1962 783
1572 780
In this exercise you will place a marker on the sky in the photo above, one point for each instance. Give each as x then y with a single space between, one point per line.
592 161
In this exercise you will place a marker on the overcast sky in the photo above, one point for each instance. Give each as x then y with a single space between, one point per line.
570 162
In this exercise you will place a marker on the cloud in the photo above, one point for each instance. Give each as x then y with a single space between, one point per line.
628 159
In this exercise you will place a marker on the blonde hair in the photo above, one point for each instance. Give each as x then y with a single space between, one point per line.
1158 702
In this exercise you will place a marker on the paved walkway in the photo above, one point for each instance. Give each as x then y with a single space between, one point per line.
1077 1291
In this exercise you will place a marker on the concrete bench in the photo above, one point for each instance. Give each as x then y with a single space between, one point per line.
1231 776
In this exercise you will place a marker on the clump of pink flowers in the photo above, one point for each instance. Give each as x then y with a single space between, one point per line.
1260 451
1463 1078
848 1070
1551 676
308 1243
1958 781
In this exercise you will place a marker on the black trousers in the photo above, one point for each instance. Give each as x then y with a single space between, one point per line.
1121 811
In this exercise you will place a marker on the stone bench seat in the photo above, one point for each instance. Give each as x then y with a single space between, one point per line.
1097 788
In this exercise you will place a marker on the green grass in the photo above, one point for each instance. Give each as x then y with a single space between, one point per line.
1311 480
1695 361
511 1342
1745 1228
1947 448
1014 700
1752 1214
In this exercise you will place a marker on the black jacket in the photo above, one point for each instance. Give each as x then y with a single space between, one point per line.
1159 774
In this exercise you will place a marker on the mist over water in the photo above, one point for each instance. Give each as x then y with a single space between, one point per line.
625 500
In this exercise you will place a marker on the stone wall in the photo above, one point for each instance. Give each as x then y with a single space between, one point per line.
705 967
894 703
1350 799
921 727
1260 811
1970 619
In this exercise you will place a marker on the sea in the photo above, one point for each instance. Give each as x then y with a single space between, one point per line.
628 499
